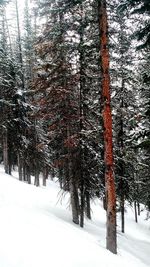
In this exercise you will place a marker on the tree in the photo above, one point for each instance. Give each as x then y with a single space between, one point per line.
123 88
107 120
67 86
140 7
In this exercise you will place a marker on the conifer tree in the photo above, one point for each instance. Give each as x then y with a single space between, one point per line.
123 83
111 242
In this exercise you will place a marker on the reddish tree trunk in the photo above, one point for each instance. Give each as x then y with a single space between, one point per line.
111 242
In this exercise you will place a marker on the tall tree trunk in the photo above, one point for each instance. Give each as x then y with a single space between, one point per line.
60 177
73 189
81 121
138 206
88 207
19 44
135 211
104 202
121 166
5 152
28 174
74 201
37 178
122 213
111 239
20 169
24 172
45 175
82 204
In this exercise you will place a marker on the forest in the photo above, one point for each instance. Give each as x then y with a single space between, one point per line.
75 101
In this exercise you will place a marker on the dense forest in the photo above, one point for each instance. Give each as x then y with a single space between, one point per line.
75 101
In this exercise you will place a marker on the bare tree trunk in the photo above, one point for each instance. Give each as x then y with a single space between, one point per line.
52 173
74 201
138 206
104 203
135 211
19 44
82 205
5 152
45 175
24 172
20 169
122 213
66 175
10 167
28 174
88 207
81 121
37 178
60 177
111 239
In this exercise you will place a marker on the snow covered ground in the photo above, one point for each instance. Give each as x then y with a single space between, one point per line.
36 231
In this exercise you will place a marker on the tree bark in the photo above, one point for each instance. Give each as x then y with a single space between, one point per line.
20 168
45 175
19 44
88 206
5 152
122 214
135 211
28 174
82 205
111 240
104 203
138 206
37 179
74 201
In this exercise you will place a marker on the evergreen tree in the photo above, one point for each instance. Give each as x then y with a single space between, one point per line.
140 7
123 82
111 243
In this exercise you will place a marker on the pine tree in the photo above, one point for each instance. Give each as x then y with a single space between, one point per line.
123 84
107 118
140 7
72 101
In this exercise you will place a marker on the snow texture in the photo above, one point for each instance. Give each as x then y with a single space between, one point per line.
36 231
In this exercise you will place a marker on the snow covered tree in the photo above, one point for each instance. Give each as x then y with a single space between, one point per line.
123 87
68 89
107 119
142 8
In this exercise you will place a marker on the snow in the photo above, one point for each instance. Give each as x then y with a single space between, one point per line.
36 231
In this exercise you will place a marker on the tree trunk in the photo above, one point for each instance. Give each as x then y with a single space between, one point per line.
81 121
28 174
111 240
66 176
37 180
122 213
135 211
88 207
20 168
45 175
138 206
73 187
104 203
52 174
60 177
82 205
74 202
24 172
5 152
19 44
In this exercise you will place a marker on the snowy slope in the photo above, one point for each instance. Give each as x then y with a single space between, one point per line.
36 231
